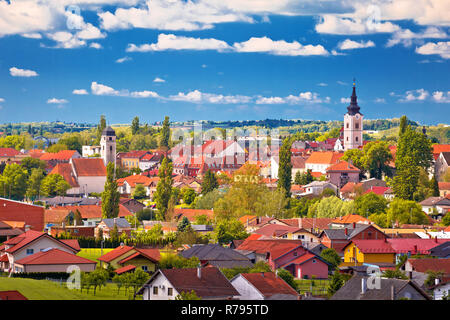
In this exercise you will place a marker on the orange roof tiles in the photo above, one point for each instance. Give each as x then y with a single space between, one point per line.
191 214
8 152
64 155
351 218
133 180
93 211
424 265
65 170
31 215
438 148
125 269
89 167
324 157
444 185
343 166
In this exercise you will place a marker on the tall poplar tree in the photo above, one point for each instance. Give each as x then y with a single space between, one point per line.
285 168
110 195
164 188
135 125
165 133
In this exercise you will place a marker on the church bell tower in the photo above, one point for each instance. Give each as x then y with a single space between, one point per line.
353 124
108 145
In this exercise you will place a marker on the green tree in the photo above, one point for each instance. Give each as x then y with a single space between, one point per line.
228 230
188 195
435 186
405 182
207 201
285 168
356 156
415 145
100 127
72 142
183 224
165 133
332 257
13 181
287 277
55 148
370 203
403 125
405 212
54 185
135 125
30 163
209 182
139 192
376 159
164 188
446 220
187 296
395 274
336 282
298 178
110 195
34 183
174 261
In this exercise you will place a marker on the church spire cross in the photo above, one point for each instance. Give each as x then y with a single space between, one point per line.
353 108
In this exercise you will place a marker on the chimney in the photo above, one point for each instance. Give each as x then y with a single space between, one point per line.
199 272
410 275
363 285
435 239
354 225
345 231
392 292
415 248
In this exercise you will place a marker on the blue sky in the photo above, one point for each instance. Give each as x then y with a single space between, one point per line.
223 60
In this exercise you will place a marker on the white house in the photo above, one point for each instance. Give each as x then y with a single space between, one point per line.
317 187
440 290
89 151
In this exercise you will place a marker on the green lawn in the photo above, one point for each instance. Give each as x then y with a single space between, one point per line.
92 254
319 287
49 290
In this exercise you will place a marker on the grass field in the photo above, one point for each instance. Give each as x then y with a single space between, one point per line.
92 254
319 287
50 290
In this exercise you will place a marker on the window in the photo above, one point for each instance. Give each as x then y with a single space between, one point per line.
30 251
347 125
169 291
110 138
314 260
357 125
295 254
145 268
347 138
110 148
356 138
155 290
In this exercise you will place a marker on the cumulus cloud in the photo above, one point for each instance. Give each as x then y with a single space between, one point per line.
332 24
2 100
441 48
66 40
415 95
380 100
348 44
441 97
33 35
144 94
95 45
80 92
406 37
16 72
197 96
57 101
302 98
159 80
99 89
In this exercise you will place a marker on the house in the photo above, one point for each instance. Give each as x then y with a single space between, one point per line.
31 215
342 172
352 189
218 256
298 165
70 201
53 260
252 223
339 238
182 181
207 283
122 256
358 252
150 161
12 295
8 154
7 231
132 205
132 159
127 185
413 246
441 289
31 243
108 225
348 220
91 151
63 156
83 175
436 207
315 225
287 232
74 231
192 214
357 288
441 250
320 161
442 163
263 286
315 188
444 188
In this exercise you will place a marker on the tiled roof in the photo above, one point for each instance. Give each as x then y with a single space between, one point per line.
438 148
8 152
191 214
151 254
431 201
120 222
125 269
420 246
351 218
89 167
72 243
116 253
268 284
298 162
309 223
276 230
343 166
424 265
212 282
373 246
12 295
135 154
54 256
350 187
377 190
273 246
55 216
302 259
64 155
444 185
133 180
213 252
30 236
326 157
15 224
65 170
93 211
32 215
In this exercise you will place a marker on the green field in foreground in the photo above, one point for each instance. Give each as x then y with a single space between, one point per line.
92 254
49 290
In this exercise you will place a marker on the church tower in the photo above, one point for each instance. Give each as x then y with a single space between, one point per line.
108 145
353 124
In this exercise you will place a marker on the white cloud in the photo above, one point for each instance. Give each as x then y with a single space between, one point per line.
441 97
279 47
159 80
173 42
66 40
270 100
322 84
440 48
102 90
80 92
342 83
415 95
57 101
33 35
95 45
199 97
144 94
302 98
348 44
407 37
380 100
2 100
16 72
332 24
345 100
124 59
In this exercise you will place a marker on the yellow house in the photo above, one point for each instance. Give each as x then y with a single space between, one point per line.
146 259
368 251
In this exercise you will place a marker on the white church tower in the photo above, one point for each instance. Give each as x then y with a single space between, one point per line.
108 145
353 124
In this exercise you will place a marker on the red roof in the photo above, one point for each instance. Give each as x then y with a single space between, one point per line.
12 295
343 166
151 254
424 265
8 152
438 148
72 243
4 258
125 269
275 230
135 154
419 246
32 215
444 185
351 218
268 284
302 259
91 211
309 223
114 254
191 214
30 236
63 155
133 180
54 256
65 170
89 167
324 157
373 246
377 190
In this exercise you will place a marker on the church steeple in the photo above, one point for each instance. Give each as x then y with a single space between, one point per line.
353 108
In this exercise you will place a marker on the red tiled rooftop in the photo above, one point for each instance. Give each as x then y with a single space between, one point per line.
269 284
343 166
89 167
12 295
125 269
373 246
64 155
116 253
424 265
351 218
53 256
65 170
324 157
8 152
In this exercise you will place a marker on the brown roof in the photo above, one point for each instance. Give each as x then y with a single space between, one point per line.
298 162
212 282
56 216
89 167
116 253
268 284
65 170
309 223
424 265
444 185
8 152
264 246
